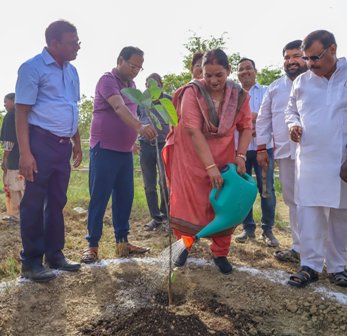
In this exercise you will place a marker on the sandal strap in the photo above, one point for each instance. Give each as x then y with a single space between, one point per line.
305 273
340 276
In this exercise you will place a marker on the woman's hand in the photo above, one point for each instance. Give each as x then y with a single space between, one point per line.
343 172
241 165
215 177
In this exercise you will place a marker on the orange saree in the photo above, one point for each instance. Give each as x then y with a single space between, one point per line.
189 184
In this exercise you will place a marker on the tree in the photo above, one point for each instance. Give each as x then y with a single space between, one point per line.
171 82
85 116
268 74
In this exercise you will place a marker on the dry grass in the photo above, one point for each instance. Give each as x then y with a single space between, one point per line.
76 225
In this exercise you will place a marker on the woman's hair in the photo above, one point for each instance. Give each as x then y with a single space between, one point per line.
156 77
196 57
216 56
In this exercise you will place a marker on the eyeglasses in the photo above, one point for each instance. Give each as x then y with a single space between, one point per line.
134 66
314 58
73 43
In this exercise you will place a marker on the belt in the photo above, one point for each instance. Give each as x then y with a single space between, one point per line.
52 136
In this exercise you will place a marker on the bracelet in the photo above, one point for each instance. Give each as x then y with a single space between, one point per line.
261 150
210 166
242 156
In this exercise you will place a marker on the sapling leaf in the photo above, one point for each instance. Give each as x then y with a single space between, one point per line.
161 110
170 110
156 121
154 89
134 95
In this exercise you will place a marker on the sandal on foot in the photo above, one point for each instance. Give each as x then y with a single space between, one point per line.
90 255
339 279
287 256
305 276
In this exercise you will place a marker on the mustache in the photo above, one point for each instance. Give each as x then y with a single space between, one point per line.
297 64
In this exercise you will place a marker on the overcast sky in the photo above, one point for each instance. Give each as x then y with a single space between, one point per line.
256 29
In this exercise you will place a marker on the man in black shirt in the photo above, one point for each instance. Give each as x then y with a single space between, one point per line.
13 182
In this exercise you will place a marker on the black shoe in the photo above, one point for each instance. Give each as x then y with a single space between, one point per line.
270 239
152 225
242 237
64 264
37 273
223 265
182 258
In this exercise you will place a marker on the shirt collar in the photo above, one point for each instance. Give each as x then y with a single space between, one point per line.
130 83
48 58
255 86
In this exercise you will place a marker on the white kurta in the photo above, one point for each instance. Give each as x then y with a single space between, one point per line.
319 106
271 122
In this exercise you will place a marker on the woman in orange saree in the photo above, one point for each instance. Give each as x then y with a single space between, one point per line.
209 111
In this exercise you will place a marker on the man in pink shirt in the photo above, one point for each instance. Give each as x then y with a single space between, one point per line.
113 133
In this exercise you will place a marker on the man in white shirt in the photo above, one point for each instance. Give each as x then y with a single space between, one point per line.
317 119
246 72
271 123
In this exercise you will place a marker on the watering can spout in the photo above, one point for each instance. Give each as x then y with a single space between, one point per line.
188 241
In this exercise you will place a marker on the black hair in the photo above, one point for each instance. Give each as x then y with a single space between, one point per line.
292 45
323 36
243 59
196 57
10 96
216 56
127 52
56 30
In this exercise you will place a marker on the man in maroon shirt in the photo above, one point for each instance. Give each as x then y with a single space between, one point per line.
113 133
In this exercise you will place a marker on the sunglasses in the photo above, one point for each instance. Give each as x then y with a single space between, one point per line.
314 58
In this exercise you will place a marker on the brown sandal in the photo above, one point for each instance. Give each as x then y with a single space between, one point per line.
90 255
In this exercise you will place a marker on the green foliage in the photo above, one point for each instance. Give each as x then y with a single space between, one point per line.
268 74
171 82
85 116
147 99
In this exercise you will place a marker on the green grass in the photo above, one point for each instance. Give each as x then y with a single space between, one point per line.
78 193
78 196
9 268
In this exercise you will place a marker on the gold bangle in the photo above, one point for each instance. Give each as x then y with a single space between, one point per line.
210 166
242 156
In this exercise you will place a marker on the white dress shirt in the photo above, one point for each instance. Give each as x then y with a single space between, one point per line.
319 106
271 122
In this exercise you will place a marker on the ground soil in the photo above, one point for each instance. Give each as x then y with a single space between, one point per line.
132 299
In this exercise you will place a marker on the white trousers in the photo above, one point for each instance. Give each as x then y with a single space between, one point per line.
287 178
323 237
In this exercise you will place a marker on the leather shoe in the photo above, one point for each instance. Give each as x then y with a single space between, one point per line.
223 265
182 258
64 265
37 273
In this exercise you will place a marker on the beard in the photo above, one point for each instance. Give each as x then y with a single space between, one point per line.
292 74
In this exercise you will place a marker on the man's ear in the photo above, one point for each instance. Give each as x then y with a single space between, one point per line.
333 48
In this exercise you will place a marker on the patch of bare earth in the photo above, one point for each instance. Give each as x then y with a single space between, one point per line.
127 298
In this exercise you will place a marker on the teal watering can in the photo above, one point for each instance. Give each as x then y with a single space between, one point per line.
231 203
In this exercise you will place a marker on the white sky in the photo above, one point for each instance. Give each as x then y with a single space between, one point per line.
256 29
